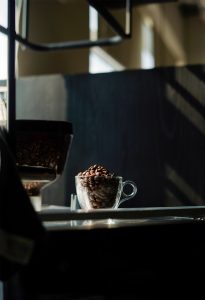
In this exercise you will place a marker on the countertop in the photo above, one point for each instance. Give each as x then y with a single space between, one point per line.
63 218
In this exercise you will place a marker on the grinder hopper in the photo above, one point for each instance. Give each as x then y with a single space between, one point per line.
42 149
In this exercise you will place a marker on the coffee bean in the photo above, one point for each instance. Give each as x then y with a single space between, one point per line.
101 186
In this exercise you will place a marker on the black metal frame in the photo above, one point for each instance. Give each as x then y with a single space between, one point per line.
67 45
11 103
121 33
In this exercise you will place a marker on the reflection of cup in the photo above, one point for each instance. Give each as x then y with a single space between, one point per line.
96 192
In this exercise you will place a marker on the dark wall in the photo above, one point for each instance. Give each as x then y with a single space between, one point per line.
145 125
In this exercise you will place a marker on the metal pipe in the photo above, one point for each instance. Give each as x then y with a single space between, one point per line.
11 104
69 44
64 45
23 39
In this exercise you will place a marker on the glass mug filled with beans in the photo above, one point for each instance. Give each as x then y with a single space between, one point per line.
97 188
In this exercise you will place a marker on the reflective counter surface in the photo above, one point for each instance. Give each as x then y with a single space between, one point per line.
63 218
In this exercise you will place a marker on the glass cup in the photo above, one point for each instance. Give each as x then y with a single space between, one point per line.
95 192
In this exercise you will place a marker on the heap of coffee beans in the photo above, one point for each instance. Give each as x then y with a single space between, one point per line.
101 186
41 150
32 188
96 170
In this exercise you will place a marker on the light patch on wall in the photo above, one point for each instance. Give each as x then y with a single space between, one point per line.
99 60
3 40
147 42
3 13
3 57
2 112
93 23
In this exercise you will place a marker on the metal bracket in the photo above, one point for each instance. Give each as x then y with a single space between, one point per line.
121 33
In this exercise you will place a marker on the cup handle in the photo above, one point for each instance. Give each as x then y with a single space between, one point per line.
125 196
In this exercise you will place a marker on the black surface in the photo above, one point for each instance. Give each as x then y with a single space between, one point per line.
20 226
143 262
